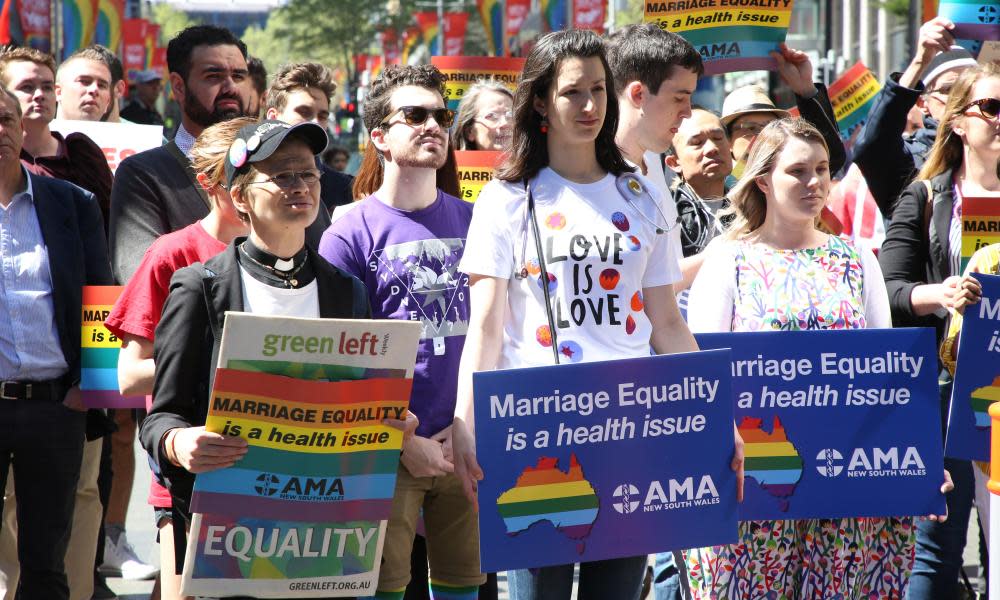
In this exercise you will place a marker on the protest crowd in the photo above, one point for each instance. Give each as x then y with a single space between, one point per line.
618 221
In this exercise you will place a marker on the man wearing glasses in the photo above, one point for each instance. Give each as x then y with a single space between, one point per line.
886 157
405 241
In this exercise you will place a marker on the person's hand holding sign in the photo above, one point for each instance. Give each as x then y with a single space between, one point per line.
201 451
967 292
796 70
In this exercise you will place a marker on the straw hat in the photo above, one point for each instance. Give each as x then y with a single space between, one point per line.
745 100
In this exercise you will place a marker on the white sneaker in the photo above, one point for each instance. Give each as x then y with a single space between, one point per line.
120 560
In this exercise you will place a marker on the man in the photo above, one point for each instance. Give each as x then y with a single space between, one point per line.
748 109
702 159
887 159
84 87
656 73
56 245
155 191
301 92
142 108
30 75
410 223
336 157
258 85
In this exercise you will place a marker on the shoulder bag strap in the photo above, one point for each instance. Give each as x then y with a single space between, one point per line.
544 271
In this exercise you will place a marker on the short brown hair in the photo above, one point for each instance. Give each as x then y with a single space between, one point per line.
101 54
298 76
14 54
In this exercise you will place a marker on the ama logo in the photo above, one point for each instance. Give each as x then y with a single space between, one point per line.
267 484
874 462
300 488
627 499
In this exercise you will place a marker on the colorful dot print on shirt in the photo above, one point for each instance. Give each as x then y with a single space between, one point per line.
637 303
544 336
619 220
555 221
570 352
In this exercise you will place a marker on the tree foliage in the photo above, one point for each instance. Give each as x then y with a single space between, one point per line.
170 20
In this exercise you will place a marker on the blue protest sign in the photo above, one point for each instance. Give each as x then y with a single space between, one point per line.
977 376
837 423
591 461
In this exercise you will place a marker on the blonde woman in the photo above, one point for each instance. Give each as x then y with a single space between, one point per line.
137 311
484 120
774 270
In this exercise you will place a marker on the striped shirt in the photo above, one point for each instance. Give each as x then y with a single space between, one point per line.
29 341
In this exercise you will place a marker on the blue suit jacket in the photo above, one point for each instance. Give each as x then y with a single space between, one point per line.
73 231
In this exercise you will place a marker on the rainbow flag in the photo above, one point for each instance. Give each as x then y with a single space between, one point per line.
729 38
770 458
152 41
411 37
544 492
461 72
852 96
99 351
108 30
79 21
973 19
491 13
427 21
980 225
981 400
475 170
554 14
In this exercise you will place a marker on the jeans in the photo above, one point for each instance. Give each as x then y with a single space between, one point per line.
938 557
43 440
666 577
619 578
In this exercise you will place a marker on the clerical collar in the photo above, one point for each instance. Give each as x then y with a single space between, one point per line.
293 272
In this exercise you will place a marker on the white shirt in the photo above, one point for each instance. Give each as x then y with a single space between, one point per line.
600 251
263 299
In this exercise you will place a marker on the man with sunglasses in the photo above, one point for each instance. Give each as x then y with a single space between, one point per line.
886 157
405 241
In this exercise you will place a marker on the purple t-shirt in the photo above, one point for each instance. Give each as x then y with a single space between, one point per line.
409 262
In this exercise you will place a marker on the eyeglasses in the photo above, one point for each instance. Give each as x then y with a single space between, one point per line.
493 119
287 179
417 115
750 128
989 107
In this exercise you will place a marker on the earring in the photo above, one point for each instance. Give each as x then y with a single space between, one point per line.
544 125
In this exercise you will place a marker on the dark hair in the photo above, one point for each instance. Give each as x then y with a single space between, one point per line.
333 150
180 48
648 54
376 104
258 74
376 108
299 76
99 53
529 151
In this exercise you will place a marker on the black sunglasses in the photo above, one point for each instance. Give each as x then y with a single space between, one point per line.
990 107
417 115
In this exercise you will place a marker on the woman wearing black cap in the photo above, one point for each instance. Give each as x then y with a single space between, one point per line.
271 173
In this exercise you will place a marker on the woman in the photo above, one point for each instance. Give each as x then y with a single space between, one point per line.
921 259
271 174
138 309
774 270
484 117
563 151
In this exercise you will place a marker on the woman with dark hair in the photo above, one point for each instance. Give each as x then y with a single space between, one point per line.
559 184
484 117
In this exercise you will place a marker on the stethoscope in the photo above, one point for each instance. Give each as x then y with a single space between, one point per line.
631 190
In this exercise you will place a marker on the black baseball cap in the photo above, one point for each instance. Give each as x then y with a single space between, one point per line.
258 141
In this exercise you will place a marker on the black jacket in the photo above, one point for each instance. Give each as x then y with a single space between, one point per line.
818 111
187 341
153 195
916 249
335 187
886 158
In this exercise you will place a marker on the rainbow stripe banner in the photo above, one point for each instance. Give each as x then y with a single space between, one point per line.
974 19
977 376
600 460
427 21
491 13
852 96
980 225
463 71
108 30
554 14
79 22
411 38
99 352
836 423
730 35
305 508
475 170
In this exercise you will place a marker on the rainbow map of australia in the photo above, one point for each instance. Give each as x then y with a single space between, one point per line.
771 460
546 493
981 399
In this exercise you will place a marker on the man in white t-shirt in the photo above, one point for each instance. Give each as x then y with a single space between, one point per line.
656 73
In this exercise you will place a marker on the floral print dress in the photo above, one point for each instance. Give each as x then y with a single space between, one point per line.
828 559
